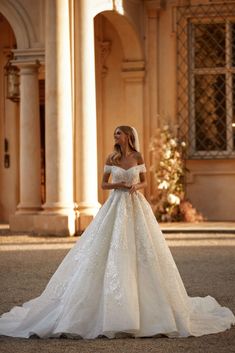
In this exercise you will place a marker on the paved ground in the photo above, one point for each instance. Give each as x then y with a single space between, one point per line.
206 263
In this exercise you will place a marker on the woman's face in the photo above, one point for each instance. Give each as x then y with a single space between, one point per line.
120 137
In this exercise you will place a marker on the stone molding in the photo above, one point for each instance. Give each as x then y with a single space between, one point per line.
153 7
134 66
203 173
32 55
155 4
133 71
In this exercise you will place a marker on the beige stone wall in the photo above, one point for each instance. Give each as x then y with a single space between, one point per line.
157 27
136 73
211 188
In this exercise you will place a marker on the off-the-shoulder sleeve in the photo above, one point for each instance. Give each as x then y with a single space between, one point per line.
107 168
142 168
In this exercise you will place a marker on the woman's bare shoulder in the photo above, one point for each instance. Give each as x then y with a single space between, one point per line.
138 156
108 160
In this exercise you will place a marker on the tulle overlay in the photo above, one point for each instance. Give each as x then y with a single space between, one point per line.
119 277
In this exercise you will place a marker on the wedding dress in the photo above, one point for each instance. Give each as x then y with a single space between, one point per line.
119 278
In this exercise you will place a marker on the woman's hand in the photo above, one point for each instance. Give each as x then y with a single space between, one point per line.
133 188
123 185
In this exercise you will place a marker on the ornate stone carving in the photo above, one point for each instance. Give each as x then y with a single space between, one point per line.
105 49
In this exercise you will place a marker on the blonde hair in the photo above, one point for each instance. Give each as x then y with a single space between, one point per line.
116 156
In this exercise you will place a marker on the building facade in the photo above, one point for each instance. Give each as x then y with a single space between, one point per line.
73 70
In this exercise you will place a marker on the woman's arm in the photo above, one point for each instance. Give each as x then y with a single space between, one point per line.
132 188
141 185
108 186
143 182
105 180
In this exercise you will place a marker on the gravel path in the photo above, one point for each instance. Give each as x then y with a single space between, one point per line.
206 264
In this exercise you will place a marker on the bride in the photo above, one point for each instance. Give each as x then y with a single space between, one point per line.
120 277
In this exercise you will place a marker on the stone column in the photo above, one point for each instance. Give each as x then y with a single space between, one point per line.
88 205
151 93
30 193
30 184
152 53
58 216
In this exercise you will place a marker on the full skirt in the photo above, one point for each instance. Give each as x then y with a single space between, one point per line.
119 278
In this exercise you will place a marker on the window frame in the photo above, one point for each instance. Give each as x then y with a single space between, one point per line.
207 14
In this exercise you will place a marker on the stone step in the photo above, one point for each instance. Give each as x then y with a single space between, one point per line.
202 227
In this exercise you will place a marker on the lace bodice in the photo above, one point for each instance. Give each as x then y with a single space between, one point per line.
129 176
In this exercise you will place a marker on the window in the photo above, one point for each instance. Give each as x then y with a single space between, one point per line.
206 80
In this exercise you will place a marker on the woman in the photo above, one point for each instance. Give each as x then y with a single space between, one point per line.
120 277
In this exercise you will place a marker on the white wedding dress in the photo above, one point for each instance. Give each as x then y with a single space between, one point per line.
119 278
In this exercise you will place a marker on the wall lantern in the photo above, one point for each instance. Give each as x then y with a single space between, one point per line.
12 81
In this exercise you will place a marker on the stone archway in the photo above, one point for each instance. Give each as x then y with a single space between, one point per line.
131 44
20 23
119 80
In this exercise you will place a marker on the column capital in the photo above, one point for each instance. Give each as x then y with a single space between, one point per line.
27 68
29 55
28 60
184 2
154 6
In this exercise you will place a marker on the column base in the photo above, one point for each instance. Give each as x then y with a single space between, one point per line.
44 224
83 221
55 224
22 222
28 208
87 212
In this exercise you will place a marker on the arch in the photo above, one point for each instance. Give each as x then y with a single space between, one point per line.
120 87
117 13
129 37
19 20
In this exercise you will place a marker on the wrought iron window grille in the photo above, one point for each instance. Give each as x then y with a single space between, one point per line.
206 79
